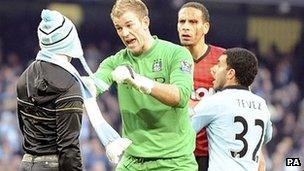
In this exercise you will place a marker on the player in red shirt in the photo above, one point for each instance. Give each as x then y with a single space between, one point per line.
193 25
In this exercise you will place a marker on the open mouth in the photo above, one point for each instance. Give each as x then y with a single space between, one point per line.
131 41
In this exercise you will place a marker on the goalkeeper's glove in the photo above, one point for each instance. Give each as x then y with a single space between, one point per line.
115 149
126 74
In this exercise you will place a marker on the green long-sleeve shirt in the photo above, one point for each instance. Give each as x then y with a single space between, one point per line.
157 130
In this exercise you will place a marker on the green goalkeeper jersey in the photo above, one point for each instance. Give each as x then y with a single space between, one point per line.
157 130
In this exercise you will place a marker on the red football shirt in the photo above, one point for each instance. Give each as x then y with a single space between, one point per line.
203 80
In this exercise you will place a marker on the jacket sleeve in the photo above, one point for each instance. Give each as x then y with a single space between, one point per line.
68 120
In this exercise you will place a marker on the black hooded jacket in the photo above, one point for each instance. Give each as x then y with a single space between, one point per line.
50 109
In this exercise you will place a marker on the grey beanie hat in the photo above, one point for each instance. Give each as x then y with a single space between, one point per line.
57 34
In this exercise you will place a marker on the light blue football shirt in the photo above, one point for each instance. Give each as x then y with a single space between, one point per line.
238 124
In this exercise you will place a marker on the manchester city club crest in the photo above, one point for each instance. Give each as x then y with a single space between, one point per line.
157 65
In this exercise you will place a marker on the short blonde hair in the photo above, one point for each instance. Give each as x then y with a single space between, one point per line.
122 6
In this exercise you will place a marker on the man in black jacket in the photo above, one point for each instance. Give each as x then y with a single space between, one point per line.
50 102
51 95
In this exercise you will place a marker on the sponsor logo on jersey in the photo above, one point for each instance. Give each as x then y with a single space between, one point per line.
157 65
199 93
160 79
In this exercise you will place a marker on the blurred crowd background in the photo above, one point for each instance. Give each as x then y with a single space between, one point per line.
272 29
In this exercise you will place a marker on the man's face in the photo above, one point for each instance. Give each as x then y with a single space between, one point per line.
131 30
219 72
191 27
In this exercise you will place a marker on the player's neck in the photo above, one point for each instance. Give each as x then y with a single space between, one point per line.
198 50
149 42
230 83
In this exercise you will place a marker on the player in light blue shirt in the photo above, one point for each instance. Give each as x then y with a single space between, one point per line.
238 121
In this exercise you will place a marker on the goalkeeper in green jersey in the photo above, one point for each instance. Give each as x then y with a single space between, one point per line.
154 82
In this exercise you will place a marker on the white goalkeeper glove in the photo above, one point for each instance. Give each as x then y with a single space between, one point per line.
90 85
126 74
115 149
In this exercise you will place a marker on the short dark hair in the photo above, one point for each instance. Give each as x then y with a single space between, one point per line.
244 63
200 7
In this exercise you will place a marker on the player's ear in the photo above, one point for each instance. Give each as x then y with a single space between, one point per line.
146 22
206 27
230 74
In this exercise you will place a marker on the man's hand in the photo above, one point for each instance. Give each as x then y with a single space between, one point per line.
126 74
115 149
122 73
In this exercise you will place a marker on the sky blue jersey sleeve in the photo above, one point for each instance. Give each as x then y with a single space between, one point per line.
203 113
268 132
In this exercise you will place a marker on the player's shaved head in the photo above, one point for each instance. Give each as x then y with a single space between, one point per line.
199 6
136 6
